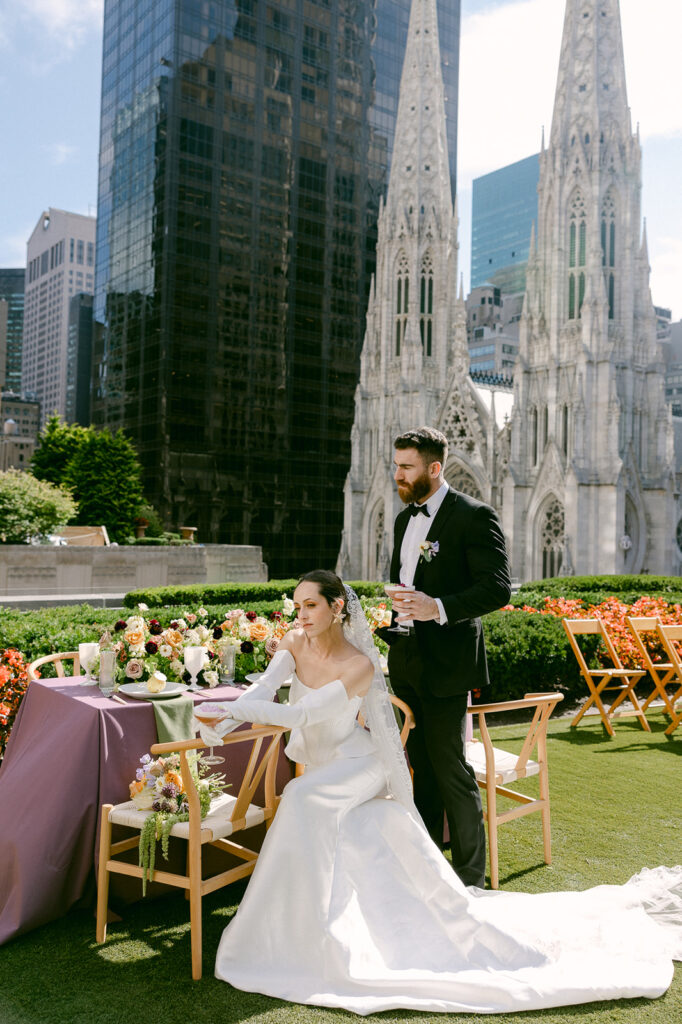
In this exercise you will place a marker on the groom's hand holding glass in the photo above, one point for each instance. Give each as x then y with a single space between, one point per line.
414 604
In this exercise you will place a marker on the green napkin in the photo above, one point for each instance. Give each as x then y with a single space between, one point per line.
174 718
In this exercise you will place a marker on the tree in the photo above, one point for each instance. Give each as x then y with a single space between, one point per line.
29 507
105 476
58 442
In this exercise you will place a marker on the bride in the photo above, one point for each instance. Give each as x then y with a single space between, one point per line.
352 905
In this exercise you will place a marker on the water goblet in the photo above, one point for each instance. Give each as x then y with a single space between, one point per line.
210 716
107 679
396 591
86 655
195 659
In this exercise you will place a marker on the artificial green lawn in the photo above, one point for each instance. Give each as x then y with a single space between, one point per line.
615 809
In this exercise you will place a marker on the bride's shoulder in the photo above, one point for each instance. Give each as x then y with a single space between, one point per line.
357 673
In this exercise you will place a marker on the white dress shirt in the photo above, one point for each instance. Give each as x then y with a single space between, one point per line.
415 532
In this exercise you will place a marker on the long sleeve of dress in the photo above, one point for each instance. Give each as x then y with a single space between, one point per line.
278 672
317 706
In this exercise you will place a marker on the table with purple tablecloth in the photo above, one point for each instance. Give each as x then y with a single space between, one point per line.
70 751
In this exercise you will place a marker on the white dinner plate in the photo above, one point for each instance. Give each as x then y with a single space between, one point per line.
140 691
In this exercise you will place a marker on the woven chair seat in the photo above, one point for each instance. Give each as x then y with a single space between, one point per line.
216 824
505 764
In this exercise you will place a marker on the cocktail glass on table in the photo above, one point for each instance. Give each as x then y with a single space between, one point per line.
195 659
397 593
86 655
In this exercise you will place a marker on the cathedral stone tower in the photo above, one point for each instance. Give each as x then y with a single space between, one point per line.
415 337
591 473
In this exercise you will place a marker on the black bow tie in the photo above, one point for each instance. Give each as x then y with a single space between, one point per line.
416 509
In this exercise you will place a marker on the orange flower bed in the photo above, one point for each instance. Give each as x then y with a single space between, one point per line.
613 613
13 683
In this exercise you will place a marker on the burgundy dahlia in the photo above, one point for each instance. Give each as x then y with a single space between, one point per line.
151 647
121 624
246 647
217 632
251 616
155 627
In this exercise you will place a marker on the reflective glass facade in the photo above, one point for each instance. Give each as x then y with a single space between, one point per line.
244 148
12 290
504 207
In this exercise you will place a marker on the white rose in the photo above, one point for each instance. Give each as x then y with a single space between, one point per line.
181 624
202 612
245 629
204 633
143 607
135 622
192 638
211 677
287 605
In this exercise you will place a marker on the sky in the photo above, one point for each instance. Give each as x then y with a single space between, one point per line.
50 60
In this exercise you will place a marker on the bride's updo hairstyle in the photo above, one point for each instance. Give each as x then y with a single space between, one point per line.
330 586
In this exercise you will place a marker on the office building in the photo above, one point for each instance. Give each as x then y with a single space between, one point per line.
245 148
79 359
11 326
504 208
19 427
60 263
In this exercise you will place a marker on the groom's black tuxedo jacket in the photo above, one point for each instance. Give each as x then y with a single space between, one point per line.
470 575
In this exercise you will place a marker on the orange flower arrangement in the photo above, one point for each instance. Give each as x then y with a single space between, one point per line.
13 684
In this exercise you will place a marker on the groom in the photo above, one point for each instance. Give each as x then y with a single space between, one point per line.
451 548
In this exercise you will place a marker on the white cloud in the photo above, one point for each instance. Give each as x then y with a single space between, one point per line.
55 27
60 152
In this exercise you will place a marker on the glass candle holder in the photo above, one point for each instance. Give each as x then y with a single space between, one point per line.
228 657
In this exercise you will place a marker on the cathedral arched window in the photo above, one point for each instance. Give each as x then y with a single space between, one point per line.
608 249
402 301
577 253
426 305
552 538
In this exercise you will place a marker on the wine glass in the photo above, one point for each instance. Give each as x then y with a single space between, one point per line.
397 590
210 716
86 655
107 678
195 659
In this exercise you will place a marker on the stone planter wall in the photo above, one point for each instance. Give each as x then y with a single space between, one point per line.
28 570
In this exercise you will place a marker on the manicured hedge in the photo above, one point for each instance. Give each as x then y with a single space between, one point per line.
206 594
531 654
623 587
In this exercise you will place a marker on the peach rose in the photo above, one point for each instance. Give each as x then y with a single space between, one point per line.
134 637
258 630
173 637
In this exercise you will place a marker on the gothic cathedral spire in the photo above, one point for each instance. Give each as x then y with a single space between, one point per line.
591 466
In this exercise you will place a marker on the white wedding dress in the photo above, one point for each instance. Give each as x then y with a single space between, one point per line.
351 904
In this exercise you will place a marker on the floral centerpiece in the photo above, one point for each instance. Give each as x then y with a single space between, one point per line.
13 684
160 789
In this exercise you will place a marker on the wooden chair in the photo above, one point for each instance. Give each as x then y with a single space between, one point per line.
600 679
229 814
663 673
669 635
56 660
496 768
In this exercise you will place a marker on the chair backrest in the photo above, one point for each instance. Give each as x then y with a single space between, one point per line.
645 624
589 627
543 705
407 713
668 634
257 767
56 660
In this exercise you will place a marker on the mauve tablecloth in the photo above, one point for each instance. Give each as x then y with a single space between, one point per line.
70 751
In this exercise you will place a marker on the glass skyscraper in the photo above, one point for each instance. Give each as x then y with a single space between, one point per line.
12 291
504 207
245 145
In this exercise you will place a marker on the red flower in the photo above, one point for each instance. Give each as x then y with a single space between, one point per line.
251 616
151 647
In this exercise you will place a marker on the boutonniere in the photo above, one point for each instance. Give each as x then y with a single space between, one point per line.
428 549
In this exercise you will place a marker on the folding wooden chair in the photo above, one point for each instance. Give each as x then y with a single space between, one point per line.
496 768
663 673
228 814
56 660
668 635
600 679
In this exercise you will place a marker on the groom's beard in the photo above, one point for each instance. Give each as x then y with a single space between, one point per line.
415 491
